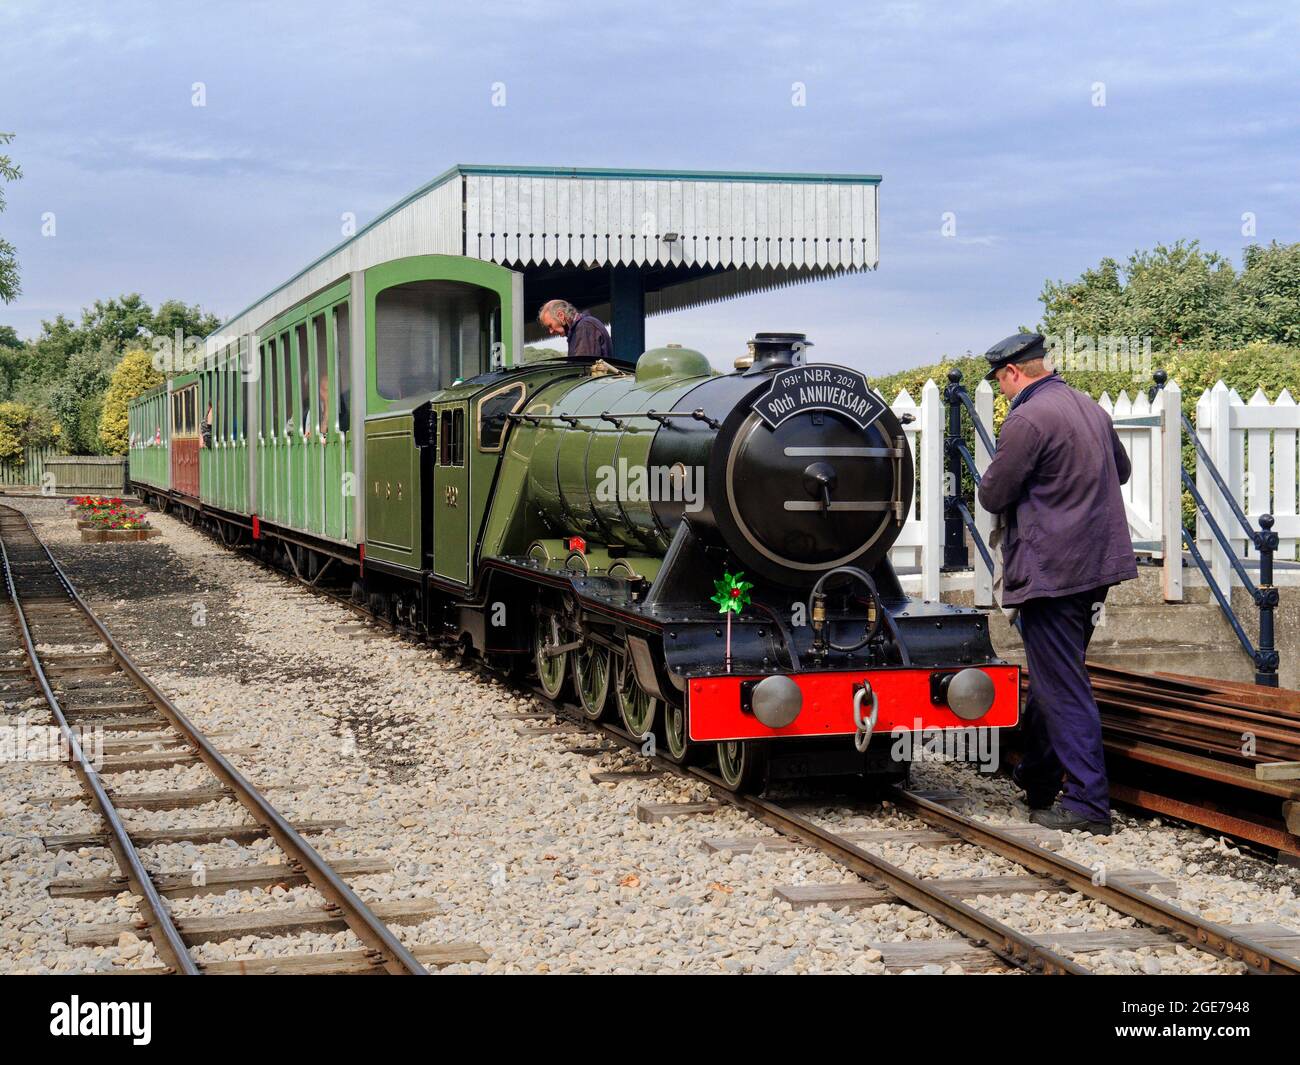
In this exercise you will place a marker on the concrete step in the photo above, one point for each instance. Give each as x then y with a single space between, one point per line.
1192 662
1147 589
1171 627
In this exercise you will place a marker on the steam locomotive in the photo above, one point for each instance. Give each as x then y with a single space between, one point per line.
585 522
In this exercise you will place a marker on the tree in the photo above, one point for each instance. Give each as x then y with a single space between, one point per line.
68 367
23 426
9 283
1268 293
48 354
13 359
134 376
117 321
1176 295
78 398
190 320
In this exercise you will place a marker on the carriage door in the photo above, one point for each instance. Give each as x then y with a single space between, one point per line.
451 502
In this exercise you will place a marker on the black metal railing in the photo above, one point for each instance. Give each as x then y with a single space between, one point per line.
1265 541
957 515
958 518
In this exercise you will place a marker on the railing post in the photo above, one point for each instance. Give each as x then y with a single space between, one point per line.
1170 399
983 519
1220 449
932 485
955 555
1266 657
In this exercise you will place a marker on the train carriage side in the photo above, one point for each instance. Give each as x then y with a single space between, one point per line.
301 387
432 322
149 439
223 450
184 416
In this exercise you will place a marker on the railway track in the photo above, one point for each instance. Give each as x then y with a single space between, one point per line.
1270 950
1161 923
93 689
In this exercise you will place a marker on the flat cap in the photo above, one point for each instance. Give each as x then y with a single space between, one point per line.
1019 347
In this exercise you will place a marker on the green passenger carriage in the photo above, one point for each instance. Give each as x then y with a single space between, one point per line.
373 424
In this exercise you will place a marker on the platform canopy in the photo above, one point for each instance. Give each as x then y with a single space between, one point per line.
621 243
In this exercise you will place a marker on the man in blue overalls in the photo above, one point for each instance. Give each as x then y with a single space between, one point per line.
1055 478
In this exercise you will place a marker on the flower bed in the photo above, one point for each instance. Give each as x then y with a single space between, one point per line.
103 520
86 505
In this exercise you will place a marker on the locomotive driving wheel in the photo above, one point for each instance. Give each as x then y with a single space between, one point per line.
591 676
636 707
742 764
551 667
672 729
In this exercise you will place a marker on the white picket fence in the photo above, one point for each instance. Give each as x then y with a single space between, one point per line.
1253 445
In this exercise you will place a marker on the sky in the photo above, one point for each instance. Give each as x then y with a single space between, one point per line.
1049 135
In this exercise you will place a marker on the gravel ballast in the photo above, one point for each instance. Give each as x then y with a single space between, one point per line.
506 835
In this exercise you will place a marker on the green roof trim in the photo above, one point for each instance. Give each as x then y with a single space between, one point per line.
461 169
662 175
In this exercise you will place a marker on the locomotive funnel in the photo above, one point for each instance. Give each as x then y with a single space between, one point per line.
773 351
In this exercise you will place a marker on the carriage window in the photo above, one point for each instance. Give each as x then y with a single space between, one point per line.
286 368
304 377
492 413
245 380
273 427
322 372
263 393
343 346
227 398
429 334
451 438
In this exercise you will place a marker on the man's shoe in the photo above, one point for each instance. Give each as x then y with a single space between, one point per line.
1068 821
1036 798
1039 800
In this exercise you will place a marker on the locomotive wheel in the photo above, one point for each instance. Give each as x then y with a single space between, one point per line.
676 746
637 709
551 669
742 764
591 674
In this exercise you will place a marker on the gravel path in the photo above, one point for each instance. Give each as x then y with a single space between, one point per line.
524 854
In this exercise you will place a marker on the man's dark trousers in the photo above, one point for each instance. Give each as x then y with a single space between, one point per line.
1063 726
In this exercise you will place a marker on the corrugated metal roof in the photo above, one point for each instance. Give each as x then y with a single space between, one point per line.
750 231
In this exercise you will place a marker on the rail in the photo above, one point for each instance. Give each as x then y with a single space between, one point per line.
377 938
